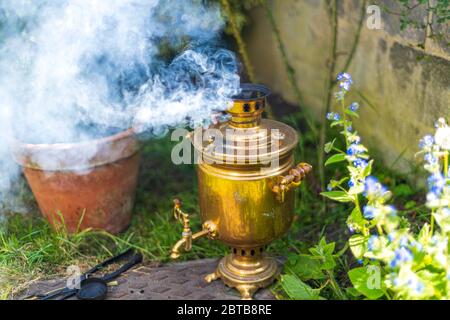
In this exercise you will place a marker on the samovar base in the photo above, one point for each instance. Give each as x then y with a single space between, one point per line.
247 270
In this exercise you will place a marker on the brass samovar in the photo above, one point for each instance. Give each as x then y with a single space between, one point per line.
246 189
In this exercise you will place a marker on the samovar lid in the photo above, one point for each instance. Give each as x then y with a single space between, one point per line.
247 138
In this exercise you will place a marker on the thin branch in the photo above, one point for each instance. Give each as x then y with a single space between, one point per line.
242 47
357 36
289 69
429 25
332 71
282 48
330 84
400 14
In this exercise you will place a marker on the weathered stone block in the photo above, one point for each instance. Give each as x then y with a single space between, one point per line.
405 88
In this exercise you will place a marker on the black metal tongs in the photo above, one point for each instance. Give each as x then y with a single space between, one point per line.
94 288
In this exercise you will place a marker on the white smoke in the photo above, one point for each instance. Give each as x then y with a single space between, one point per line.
76 70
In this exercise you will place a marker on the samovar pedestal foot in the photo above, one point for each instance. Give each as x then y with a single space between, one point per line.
247 270
212 277
247 291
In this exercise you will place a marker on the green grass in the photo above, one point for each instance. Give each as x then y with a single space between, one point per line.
30 249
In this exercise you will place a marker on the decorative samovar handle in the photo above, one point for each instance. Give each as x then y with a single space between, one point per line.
209 230
292 180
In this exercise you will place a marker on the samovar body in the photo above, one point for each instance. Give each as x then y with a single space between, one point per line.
243 206
246 180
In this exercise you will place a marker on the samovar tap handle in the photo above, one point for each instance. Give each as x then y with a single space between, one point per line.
292 180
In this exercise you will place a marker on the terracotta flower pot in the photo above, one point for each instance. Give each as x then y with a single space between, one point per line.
83 185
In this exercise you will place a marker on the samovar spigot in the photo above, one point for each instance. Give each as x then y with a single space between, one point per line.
209 230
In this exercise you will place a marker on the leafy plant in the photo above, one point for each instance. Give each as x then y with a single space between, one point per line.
434 23
412 265
317 266
397 259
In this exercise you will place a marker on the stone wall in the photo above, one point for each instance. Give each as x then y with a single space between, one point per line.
408 88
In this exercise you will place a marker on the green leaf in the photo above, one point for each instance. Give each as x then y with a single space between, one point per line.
358 245
367 281
353 292
368 169
329 146
336 123
329 248
340 196
353 171
435 281
352 113
324 251
329 263
335 183
335 158
403 190
297 289
410 204
341 252
305 267
356 220
424 234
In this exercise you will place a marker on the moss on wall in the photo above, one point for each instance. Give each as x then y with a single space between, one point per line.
404 88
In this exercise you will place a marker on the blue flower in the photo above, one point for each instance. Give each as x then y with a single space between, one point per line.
355 139
369 212
415 285
354 106
371 185
434 240
372 188
371 181
372 242
432 197
391 236
349 128
345 81
396 282
417 245
345 85
360 261
419 287
426 142
344 76
339 95
403 241
430 158
351 183
355 149
401 256
436 183
333 116
391 210
360 163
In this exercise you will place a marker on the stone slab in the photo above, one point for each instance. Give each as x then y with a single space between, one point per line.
173 281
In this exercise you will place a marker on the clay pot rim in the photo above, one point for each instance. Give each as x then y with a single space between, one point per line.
66 145
123 144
